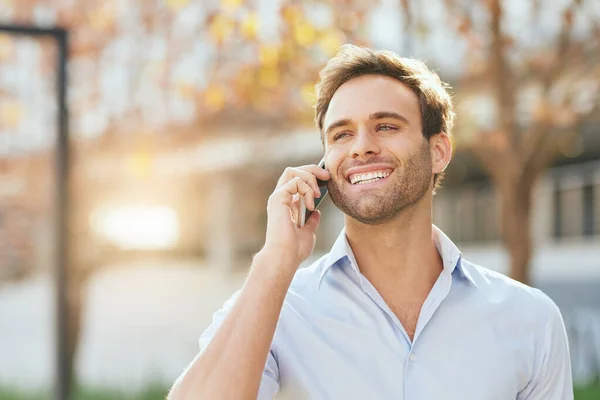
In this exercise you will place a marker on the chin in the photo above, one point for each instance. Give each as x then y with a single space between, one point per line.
374 219
370 214
375 210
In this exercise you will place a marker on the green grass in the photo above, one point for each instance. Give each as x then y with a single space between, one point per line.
589 393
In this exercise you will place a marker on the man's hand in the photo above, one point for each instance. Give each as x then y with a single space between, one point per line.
283 208
246 333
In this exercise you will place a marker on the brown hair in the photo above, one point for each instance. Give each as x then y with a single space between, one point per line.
353 61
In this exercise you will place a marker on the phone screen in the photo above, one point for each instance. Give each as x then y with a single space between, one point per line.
322 188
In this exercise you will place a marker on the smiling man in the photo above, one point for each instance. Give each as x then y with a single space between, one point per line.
393 311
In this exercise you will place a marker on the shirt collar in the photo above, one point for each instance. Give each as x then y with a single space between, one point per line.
451 255
339 251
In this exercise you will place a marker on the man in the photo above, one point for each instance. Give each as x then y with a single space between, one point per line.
393 311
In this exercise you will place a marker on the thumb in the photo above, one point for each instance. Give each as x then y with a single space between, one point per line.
313 221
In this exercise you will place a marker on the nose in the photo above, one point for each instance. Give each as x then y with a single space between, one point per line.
364 145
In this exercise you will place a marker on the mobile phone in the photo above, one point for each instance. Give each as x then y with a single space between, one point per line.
304 213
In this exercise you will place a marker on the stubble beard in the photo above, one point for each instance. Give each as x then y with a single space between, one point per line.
411 180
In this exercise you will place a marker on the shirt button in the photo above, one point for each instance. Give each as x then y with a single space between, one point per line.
412 357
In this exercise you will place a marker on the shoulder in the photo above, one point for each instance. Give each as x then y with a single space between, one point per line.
498 288
308 276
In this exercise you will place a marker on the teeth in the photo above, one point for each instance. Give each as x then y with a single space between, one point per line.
368 181
368 177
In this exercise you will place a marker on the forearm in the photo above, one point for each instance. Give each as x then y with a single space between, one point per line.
231 366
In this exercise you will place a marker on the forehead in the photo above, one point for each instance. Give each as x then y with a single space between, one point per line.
362 96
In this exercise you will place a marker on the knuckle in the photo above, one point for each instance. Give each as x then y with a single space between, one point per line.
288 171
273 197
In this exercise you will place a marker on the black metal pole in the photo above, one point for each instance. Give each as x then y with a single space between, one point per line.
63 361
63 367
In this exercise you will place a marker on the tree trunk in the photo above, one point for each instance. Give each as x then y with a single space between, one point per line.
516 227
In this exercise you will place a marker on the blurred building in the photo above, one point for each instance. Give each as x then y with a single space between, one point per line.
566 234
565 218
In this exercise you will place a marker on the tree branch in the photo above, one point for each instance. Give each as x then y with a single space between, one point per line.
502 76
550 141
581 61
545 137
490 150
545 154
563 48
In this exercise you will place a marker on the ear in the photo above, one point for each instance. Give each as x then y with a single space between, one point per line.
441 152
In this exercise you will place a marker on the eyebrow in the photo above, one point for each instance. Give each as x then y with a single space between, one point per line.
390 115
337 124
374 116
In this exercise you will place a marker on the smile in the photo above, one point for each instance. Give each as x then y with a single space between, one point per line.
369 177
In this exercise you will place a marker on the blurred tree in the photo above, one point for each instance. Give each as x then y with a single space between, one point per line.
531 76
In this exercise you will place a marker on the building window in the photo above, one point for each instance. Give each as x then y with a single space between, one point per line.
570 213
577 210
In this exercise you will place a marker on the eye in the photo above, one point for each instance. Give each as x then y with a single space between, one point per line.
340 135
386 127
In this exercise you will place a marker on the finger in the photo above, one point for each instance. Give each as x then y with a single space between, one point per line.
295 207
291 173
309 201
300 218
317 171
295 200
298 186
313 221
285 196
307 193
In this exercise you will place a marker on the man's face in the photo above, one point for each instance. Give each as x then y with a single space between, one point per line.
379 160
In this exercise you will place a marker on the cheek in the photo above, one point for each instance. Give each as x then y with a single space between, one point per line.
333 159
407 148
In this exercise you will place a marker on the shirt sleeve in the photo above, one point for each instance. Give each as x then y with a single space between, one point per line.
552 376
269 385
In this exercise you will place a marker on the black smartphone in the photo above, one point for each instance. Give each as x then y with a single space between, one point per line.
305 214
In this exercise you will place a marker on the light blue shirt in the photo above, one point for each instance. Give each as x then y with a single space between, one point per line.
480 336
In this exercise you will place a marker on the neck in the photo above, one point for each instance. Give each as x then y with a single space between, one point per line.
400 253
